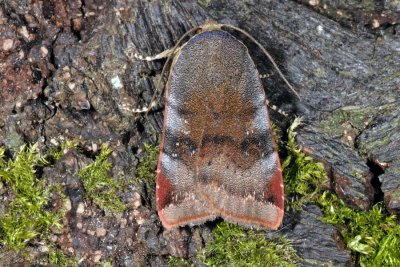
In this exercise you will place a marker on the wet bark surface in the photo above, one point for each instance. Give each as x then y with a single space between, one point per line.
67 71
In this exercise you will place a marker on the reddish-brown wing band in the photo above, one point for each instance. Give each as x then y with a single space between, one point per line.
218 157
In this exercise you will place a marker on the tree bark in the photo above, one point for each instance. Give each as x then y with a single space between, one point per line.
68 72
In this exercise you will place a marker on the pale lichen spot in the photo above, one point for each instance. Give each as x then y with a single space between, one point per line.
8 44
54 142
24 32
94 147
116 82
375 24
320 29
44 51
71 86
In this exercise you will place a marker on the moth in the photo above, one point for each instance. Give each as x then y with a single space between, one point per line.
218 157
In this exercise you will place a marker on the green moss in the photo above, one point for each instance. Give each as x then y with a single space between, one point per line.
346 74
382 141
395 194
234 246
178 262
320 73
145 176
332 125
369 5
26 216
59 151
357 174
105 263
204 3
148 164
374 236
362 150
100 187
58 258
357 117
303 177
393 76
277 135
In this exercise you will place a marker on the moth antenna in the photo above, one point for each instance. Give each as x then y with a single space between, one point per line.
266 53
166 64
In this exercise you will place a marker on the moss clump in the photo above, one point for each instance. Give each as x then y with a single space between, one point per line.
26 216
57 258
106 263
372 234
59 151
173 261
303 177
100 187
148 164
234 246
145 176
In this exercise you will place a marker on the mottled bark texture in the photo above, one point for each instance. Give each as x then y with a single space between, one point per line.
67 71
